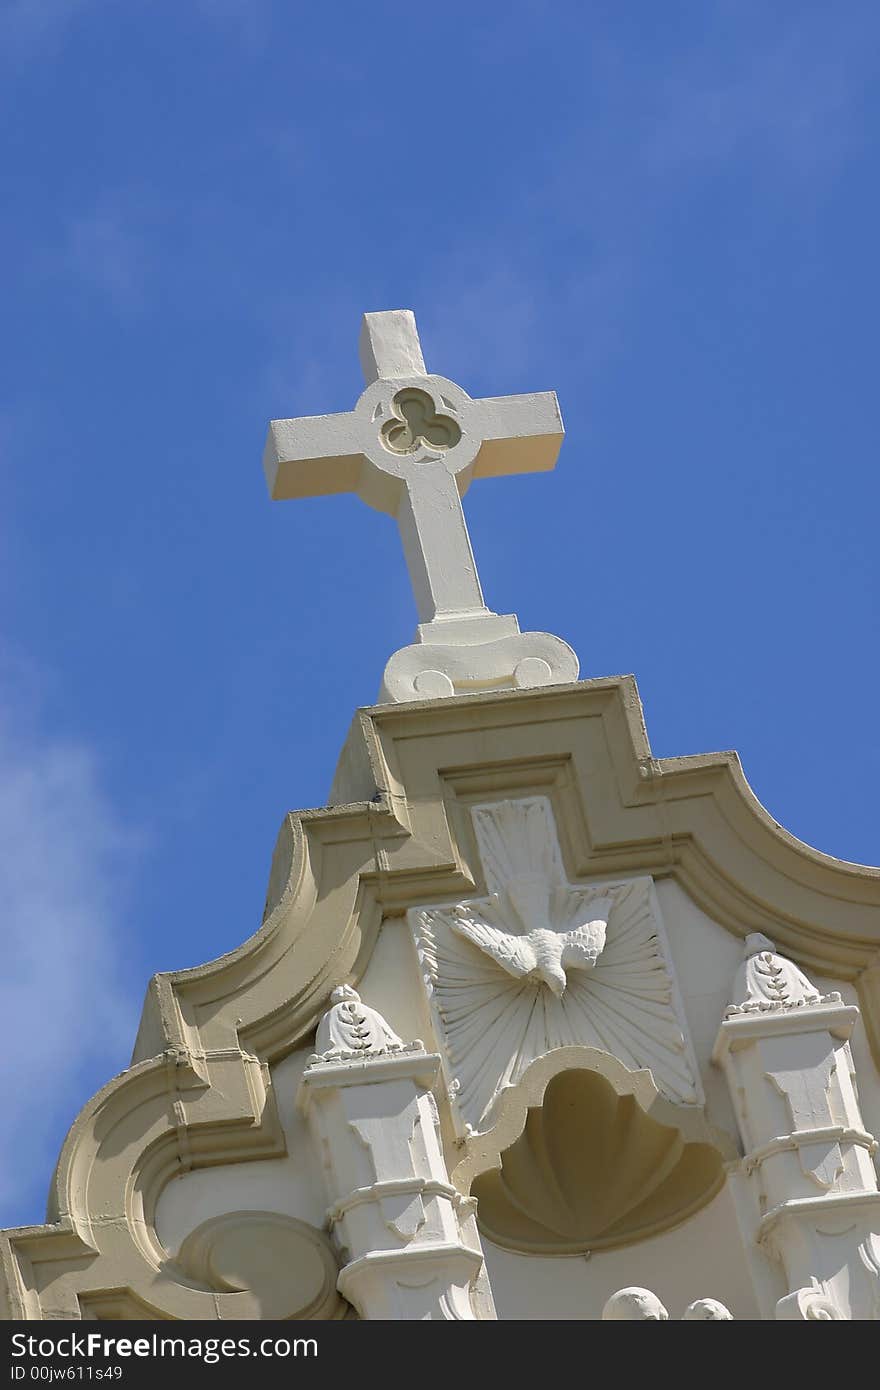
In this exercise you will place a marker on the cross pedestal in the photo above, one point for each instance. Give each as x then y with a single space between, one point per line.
411 447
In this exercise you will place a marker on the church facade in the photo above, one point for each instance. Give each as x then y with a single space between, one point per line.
536 1025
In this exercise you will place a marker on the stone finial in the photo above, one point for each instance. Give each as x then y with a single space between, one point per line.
640 1305
351 1028
707 1310
634 1305
767 980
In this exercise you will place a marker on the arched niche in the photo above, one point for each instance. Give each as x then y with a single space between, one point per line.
587 1155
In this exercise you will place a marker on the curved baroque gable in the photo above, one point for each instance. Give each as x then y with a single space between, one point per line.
401 837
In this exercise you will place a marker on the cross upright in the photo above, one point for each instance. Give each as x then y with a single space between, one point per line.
411 447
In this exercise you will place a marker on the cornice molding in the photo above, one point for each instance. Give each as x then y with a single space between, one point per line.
692 818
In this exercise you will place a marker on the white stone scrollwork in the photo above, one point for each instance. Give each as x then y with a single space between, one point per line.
433 669
282 1266
813 1303
541 963
869 1257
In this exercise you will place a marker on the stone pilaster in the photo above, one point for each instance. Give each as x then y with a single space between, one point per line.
785 1053
407 1238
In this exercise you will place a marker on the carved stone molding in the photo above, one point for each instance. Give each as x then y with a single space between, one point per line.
541 963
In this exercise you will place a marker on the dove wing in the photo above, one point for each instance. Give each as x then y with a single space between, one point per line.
513 953
584 944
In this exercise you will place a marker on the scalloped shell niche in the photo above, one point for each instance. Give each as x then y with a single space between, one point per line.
592 1171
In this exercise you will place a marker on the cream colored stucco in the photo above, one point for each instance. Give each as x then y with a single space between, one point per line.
290 1184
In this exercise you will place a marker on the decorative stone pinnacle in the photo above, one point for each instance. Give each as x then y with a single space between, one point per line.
768 981
411 447
351 1029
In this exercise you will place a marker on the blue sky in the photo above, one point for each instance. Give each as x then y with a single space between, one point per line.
667 213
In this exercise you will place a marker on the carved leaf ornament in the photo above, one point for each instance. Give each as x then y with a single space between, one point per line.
350 1027
768 981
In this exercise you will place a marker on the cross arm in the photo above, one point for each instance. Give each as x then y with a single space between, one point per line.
521 434
313 456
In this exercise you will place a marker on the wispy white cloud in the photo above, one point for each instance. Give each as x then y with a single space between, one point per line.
64 999
107 247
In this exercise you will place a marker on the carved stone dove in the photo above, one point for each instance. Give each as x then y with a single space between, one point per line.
516 928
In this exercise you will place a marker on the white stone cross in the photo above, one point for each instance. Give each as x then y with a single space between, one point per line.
411 447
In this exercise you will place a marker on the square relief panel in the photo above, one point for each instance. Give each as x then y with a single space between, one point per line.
540 963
